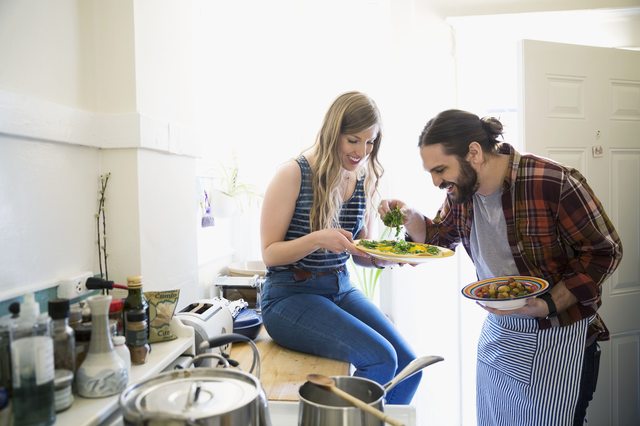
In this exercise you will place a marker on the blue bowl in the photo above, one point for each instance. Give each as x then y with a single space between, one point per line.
247 323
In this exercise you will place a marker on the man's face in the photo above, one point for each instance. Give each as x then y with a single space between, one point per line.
448 172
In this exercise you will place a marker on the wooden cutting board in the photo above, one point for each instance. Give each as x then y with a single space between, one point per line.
283 371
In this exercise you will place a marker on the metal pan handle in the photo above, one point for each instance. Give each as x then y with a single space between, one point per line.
412 368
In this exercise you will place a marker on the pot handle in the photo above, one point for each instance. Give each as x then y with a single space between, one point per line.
224 339
412 368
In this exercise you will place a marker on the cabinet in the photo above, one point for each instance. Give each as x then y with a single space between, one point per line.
104 411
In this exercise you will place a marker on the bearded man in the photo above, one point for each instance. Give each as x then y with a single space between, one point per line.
521 214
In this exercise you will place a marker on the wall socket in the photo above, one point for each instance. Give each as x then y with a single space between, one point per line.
72 287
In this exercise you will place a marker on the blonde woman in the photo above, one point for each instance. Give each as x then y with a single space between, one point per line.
313 209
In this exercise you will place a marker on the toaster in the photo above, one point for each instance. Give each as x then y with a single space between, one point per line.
209 318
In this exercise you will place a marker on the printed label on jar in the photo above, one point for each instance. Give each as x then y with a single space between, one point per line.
136 338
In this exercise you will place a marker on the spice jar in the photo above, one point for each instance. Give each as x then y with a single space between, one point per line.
64 342
62 386
136 336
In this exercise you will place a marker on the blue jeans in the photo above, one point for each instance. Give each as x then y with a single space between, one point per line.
326 316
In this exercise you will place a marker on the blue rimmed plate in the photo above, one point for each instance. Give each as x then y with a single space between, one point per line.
537 286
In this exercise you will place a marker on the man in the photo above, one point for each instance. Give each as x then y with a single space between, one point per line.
520 214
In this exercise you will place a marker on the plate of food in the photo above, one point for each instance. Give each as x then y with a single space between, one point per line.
505 293
402 251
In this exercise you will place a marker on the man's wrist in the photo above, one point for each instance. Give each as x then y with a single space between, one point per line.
551 306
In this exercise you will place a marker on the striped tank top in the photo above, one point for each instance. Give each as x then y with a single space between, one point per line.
351 219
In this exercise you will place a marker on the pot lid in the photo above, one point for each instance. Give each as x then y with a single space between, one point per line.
192 396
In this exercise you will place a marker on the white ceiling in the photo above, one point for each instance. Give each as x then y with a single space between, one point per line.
447 8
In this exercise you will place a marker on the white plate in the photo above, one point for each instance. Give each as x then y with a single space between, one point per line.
406 258
541 286
248 268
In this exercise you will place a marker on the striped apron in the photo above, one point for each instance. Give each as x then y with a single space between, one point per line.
527 376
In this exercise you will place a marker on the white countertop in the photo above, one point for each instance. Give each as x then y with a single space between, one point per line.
105 411
96 411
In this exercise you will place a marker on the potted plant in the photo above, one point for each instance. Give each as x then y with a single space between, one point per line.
228 198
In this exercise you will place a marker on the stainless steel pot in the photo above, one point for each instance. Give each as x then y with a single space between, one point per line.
199 396
320 406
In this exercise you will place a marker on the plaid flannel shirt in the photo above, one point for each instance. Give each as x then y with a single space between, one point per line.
557 230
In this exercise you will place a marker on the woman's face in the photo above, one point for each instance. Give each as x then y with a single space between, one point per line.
354 148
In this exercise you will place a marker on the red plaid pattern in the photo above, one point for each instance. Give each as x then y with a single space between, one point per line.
557 230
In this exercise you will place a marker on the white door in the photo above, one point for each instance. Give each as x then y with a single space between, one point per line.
581 106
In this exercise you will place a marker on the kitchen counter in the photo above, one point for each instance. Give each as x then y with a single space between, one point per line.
283 371
106 412
97 411
285 413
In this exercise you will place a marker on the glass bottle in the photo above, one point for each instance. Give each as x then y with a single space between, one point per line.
136 336
33 368
64 342
102 373
64 352
135 300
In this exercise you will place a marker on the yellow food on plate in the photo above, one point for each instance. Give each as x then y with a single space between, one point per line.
400 247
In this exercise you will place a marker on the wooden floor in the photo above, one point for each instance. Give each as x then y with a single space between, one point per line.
283 371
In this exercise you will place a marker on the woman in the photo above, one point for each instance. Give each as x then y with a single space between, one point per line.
313 209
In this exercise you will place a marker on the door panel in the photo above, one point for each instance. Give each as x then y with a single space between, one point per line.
581 106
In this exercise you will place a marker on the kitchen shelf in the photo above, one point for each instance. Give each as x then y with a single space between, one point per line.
97 411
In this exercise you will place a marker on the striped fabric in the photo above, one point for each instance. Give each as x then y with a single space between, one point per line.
557 230
351 219
527 376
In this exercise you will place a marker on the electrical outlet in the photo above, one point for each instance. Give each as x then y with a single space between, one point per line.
72 287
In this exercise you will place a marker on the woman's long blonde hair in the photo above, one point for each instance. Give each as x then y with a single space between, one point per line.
350 113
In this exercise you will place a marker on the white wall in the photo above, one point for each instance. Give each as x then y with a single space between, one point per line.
89 87
47 203
47 190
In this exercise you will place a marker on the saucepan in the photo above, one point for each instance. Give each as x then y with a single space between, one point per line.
319 406
199 396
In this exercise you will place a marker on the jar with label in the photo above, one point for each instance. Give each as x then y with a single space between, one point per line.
63 394
64 343
136 336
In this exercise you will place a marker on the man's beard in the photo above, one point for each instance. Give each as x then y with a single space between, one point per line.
467 184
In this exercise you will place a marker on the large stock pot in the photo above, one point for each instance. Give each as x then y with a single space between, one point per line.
199 396
319 406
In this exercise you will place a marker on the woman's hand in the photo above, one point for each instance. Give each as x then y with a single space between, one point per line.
337 241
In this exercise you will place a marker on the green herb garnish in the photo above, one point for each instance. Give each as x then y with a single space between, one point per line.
394 219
